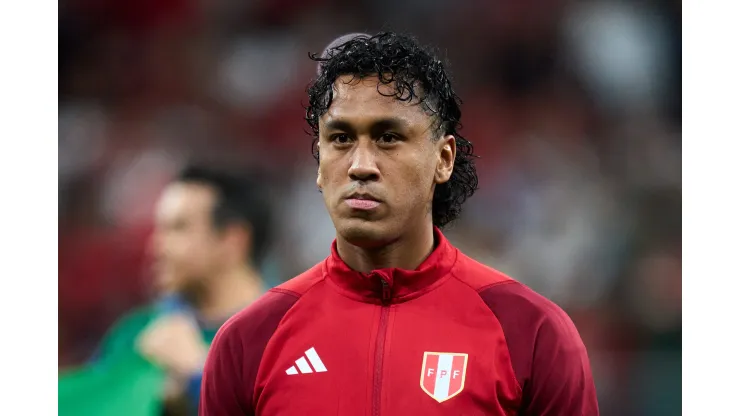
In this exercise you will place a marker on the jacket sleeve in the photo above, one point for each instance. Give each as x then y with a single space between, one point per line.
547 354
230 373
561 382
222 379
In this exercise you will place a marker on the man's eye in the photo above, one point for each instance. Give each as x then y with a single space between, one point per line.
388 138
340 138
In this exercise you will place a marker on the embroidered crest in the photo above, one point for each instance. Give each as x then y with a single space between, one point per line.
443 374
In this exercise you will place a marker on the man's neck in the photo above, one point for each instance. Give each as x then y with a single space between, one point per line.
229 293
407 252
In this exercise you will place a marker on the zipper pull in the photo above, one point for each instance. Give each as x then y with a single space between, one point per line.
386 294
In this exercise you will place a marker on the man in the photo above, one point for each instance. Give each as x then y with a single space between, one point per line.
211 231
396 321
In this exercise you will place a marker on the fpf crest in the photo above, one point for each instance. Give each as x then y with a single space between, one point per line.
443 374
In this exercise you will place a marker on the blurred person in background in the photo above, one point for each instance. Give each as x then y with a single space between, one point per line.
211 233
358 332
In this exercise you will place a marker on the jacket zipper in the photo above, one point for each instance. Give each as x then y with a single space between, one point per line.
380 345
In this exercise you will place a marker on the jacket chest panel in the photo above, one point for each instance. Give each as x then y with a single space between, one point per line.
413 360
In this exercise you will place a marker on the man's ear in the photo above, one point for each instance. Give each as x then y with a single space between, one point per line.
239 237
446 151
318 173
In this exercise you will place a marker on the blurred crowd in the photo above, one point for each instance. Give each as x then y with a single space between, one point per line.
574 108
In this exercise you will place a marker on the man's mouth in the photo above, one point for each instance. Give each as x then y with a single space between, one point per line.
363 202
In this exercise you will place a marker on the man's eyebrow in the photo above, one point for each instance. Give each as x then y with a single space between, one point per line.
386 123
390 123
338 124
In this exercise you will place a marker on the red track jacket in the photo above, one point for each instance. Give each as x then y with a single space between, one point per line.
453 337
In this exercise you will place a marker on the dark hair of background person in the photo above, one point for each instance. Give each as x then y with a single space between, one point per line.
241 199
416 74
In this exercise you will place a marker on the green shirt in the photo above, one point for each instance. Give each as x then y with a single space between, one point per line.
120 382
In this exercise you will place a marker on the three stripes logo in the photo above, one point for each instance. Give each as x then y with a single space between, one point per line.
302 365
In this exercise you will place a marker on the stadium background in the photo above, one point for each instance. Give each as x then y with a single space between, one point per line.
573 106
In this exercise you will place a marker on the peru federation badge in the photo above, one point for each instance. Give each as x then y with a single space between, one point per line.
443 374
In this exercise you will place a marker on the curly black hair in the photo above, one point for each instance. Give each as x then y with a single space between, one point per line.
415 73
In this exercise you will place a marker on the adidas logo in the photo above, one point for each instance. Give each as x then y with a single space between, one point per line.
302 364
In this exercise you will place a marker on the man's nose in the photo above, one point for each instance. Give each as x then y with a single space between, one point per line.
364 165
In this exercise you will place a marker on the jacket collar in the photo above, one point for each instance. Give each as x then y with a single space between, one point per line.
392 285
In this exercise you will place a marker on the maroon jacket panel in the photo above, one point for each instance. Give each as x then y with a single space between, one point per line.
547 353
231 368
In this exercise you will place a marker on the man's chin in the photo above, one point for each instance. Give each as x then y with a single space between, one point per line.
364 233
172 286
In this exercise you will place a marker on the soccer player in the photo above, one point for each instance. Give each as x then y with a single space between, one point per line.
396 321
211 231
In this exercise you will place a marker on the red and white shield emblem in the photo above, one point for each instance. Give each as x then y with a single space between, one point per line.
443 374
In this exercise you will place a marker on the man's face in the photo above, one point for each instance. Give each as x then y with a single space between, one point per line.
186 247
379 161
